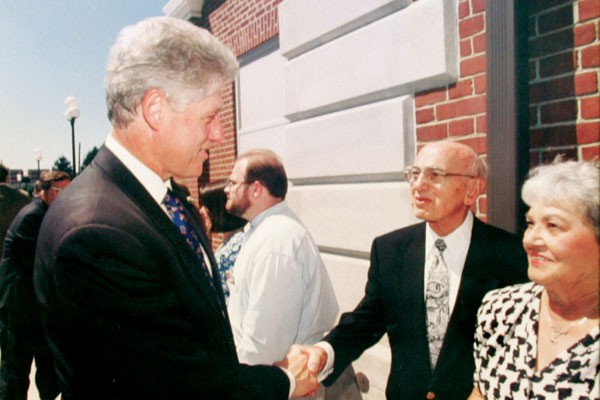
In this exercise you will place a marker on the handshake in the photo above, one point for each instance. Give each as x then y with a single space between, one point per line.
305 363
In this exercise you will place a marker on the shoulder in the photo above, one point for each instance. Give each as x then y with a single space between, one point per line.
503 300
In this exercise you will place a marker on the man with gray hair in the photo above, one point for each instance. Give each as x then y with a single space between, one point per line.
125 274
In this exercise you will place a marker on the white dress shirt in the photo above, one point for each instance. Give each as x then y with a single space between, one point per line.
281 293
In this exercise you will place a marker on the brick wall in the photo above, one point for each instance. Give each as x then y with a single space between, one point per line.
564 61
458 112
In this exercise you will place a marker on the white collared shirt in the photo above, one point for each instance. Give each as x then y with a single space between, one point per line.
457 243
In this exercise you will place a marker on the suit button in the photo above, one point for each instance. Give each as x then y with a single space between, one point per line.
430 396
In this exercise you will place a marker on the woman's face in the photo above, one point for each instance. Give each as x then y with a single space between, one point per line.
561 247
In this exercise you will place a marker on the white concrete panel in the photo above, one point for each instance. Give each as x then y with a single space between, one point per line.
260 93
362 140
268 138
380 60
349 277
305 24
351 216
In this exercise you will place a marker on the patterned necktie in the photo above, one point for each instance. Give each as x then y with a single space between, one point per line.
226 257
437 295
179 217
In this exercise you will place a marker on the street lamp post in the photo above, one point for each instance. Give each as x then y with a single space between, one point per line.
71 114
37 155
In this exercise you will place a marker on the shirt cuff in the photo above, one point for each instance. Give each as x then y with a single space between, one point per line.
292 381
328 368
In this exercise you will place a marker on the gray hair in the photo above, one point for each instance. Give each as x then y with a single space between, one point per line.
572 182
185 61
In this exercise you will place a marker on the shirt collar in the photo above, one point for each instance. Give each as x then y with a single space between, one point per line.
148 178
458 238
251 225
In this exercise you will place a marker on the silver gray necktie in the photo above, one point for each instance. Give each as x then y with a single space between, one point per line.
437 302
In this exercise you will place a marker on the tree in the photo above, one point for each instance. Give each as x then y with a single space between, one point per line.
89 157
62 164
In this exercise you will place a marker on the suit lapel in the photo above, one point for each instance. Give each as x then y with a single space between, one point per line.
129 185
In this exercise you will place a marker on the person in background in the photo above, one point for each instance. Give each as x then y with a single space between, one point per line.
229 226
125 274
540 340
280 290
426 282
11 201
25 340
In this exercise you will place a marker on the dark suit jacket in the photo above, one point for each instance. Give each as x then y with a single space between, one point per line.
394 304
128 312
11 201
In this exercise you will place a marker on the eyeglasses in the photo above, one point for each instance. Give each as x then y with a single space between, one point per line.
231 183
435 176
58 189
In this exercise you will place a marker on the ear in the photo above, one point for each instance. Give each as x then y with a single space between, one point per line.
257 190
153 107
475 187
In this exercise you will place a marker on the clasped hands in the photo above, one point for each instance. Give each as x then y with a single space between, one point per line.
305 363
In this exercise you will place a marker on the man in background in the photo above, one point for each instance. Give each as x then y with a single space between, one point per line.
280 292
11 201
24 338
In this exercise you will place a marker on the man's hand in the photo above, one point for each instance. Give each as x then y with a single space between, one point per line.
304 362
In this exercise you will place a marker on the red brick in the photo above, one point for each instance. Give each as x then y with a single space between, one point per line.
479 144
473 66
590 57
588 9
478 6
465 47
552 43
555 136
481 124
588 132
584 34
460 89
533 117
464 9
590 107
557 64
462 127
425 115
471 26
461 108
430 97
586 83
552 89
561 111
590 153
432 133
479 43
480 84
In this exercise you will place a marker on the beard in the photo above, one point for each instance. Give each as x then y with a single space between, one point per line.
238 207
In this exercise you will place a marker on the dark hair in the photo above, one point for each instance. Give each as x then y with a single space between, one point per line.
265 166
3 173
213 197
49 177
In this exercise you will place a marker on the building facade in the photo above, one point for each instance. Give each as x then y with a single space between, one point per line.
346 91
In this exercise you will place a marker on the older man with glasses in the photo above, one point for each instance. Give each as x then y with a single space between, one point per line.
23 338
427 281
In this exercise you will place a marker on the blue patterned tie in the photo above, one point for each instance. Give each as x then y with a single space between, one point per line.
437 302
179 217
226 257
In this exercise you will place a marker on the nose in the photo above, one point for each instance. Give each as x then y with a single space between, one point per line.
420 182
216 130
532 238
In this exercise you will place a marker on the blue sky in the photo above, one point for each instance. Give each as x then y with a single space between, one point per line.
50 50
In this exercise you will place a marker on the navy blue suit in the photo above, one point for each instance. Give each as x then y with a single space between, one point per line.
128 311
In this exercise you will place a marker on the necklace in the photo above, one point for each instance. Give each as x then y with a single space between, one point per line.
556 331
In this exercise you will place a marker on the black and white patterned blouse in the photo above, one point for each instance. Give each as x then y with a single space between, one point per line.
506 347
